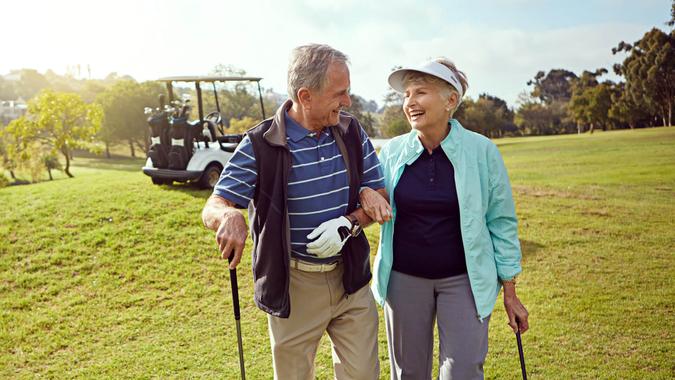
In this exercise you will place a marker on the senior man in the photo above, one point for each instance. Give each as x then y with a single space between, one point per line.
300 174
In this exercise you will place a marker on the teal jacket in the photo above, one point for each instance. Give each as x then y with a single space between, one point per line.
487 212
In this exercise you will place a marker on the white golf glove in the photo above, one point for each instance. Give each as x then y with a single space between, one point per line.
329 242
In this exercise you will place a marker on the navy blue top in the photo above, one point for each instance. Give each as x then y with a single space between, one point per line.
427 235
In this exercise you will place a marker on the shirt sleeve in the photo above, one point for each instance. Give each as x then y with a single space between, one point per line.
238 179
372 169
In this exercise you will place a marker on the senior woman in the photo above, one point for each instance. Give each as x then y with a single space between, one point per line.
452 240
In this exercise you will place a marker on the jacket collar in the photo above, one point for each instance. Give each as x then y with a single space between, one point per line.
276 134
450 144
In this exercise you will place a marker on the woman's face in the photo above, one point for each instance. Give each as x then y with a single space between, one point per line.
425 106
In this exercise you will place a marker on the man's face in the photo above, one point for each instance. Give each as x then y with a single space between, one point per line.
326 104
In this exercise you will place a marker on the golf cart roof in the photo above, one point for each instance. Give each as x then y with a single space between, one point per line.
209 79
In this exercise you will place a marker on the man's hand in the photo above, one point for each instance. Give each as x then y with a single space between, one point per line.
515 310
229 224
329 242
375 204
231 236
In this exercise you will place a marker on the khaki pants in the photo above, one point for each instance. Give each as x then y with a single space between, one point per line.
318 304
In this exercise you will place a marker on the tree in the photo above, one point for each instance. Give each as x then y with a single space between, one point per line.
30 83
51 162
124 119
358 109
591 106
394 122
536 118
556 85
488 115
590 101
242 125
6 161
624 110
7 91
60 122
649 70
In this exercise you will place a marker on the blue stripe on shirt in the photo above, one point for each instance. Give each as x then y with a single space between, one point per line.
318 187
238 179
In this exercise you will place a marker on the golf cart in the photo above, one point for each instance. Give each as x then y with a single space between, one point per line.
190 151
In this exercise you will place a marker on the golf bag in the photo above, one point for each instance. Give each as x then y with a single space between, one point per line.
161 140
183 134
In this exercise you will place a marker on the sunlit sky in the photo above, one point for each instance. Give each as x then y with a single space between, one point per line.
500 44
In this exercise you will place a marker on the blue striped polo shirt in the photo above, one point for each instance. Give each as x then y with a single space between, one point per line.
318 187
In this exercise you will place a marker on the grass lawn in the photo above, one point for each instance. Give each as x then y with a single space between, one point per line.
108 276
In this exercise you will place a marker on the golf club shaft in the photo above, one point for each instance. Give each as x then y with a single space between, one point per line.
241 351
237 316
522 356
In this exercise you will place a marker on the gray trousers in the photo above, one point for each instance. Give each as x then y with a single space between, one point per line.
411 307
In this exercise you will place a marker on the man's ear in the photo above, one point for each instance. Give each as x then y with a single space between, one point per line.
305 97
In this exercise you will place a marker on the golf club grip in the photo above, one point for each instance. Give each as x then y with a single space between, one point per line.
235 289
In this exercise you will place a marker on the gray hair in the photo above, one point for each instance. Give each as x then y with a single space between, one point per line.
308 66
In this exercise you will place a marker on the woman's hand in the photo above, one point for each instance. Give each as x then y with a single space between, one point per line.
514 309
375 204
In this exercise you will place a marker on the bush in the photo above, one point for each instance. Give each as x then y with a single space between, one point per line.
3 181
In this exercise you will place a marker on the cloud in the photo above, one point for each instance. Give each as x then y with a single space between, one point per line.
150 39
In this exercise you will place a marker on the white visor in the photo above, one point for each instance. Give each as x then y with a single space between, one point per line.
432 68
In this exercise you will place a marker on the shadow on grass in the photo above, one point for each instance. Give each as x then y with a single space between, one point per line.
529 247
190 189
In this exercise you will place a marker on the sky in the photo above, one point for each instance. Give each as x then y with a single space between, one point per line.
499 44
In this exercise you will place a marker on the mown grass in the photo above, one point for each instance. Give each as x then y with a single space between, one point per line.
108 276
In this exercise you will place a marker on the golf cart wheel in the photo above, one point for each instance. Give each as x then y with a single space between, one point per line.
210 177
161 181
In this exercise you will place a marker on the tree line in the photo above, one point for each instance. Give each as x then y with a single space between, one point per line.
66 114
560 101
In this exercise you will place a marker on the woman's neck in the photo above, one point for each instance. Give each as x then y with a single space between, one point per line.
432 137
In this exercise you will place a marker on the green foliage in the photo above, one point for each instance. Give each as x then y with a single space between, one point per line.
4 182
56 122
625 110
394 122
30 83
241 125
591 101
5 161
556 85
488 115
237 99
544 110
123 106
358 109
536 118
649 70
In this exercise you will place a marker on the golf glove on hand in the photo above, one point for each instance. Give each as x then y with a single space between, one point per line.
328 240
